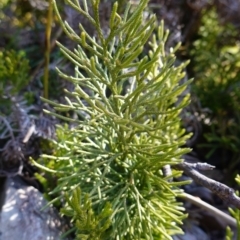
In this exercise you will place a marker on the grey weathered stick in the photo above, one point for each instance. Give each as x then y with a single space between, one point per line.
230 221
224 192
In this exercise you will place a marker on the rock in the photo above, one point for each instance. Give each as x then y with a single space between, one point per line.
192 232
22 217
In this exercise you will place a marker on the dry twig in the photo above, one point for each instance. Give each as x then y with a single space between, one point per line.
221 190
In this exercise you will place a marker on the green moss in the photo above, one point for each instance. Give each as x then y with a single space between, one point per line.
216 67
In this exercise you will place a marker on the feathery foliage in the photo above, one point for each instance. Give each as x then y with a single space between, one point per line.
128 126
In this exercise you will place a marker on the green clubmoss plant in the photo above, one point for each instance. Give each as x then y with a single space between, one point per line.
128 126
236 214
88 224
